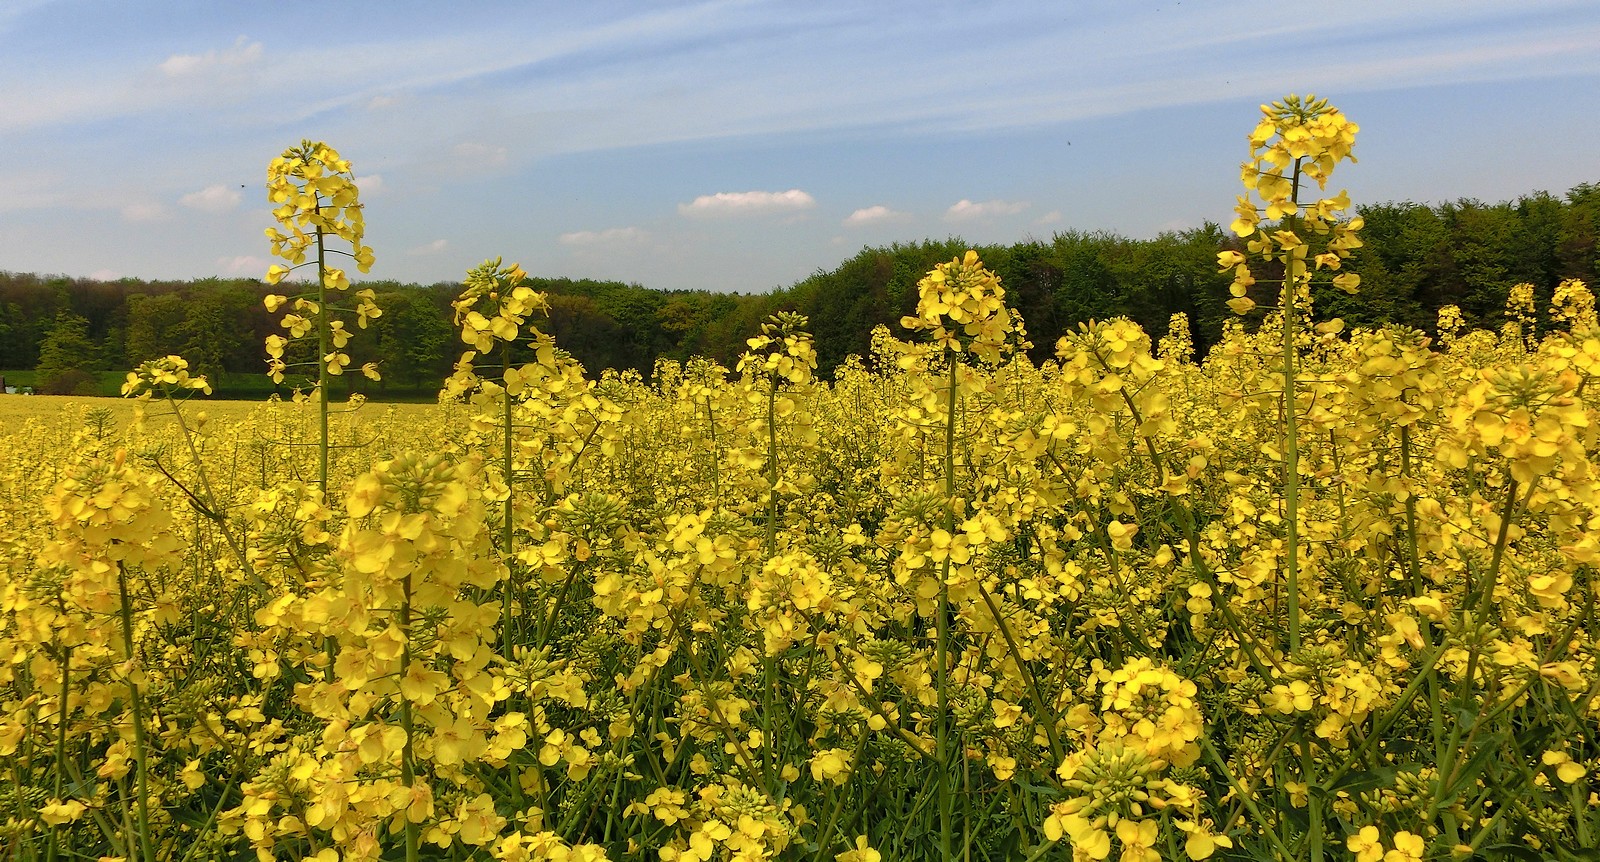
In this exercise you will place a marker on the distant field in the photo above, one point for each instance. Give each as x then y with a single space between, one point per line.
246 387
15 409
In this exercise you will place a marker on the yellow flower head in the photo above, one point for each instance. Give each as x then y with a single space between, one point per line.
961 305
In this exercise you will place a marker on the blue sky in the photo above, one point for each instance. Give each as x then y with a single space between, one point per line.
738 145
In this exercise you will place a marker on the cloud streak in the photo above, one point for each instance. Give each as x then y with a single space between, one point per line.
243 264
877 214
965 210
242 53
610 236
215 199
475 155
723 69
429 248
143 212
734 204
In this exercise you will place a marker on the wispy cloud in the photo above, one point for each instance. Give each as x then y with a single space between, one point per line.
555 102
243 264
212 199
1049 218
872 215
472 154
725 204
143 211
243 52
16 9
104 275
34 189
610 236
429 248
965 210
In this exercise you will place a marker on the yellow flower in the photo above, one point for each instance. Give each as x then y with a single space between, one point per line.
1408 847
862 852
1202 842
1005 714
1138 839
57 812
1567 769
1366 845
832 764
1121 535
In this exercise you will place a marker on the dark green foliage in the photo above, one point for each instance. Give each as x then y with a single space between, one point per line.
413 342
1416 259
67 358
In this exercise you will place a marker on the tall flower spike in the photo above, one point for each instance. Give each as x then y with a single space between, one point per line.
1296 137
313 187
317 199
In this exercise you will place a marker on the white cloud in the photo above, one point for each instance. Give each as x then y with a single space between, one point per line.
1051 217
485 155
243 53
608 236
426 248
212 199
965 210
143 211
747 203
378 103
369 185
243 264
872 215
104 275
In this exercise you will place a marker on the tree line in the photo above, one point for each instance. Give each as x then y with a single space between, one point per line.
1416 259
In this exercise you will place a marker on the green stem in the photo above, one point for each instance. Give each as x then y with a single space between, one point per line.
61 742
942 619
214 510
1413 563
1045 716
324 346
505 515
549 627
1308 771
408 770
1247 798
716 454
1291 436
772 466
1486 601
825 837
146 848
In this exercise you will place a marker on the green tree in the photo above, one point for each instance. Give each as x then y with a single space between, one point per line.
412 340
154 327
67 357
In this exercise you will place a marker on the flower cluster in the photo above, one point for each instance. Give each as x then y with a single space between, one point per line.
1296 137
317 199
314 187
169 374
961 307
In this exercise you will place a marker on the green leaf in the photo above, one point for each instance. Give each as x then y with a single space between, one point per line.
1357 782
1480 760
1510 851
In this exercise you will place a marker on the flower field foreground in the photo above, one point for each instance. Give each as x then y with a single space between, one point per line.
949 604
